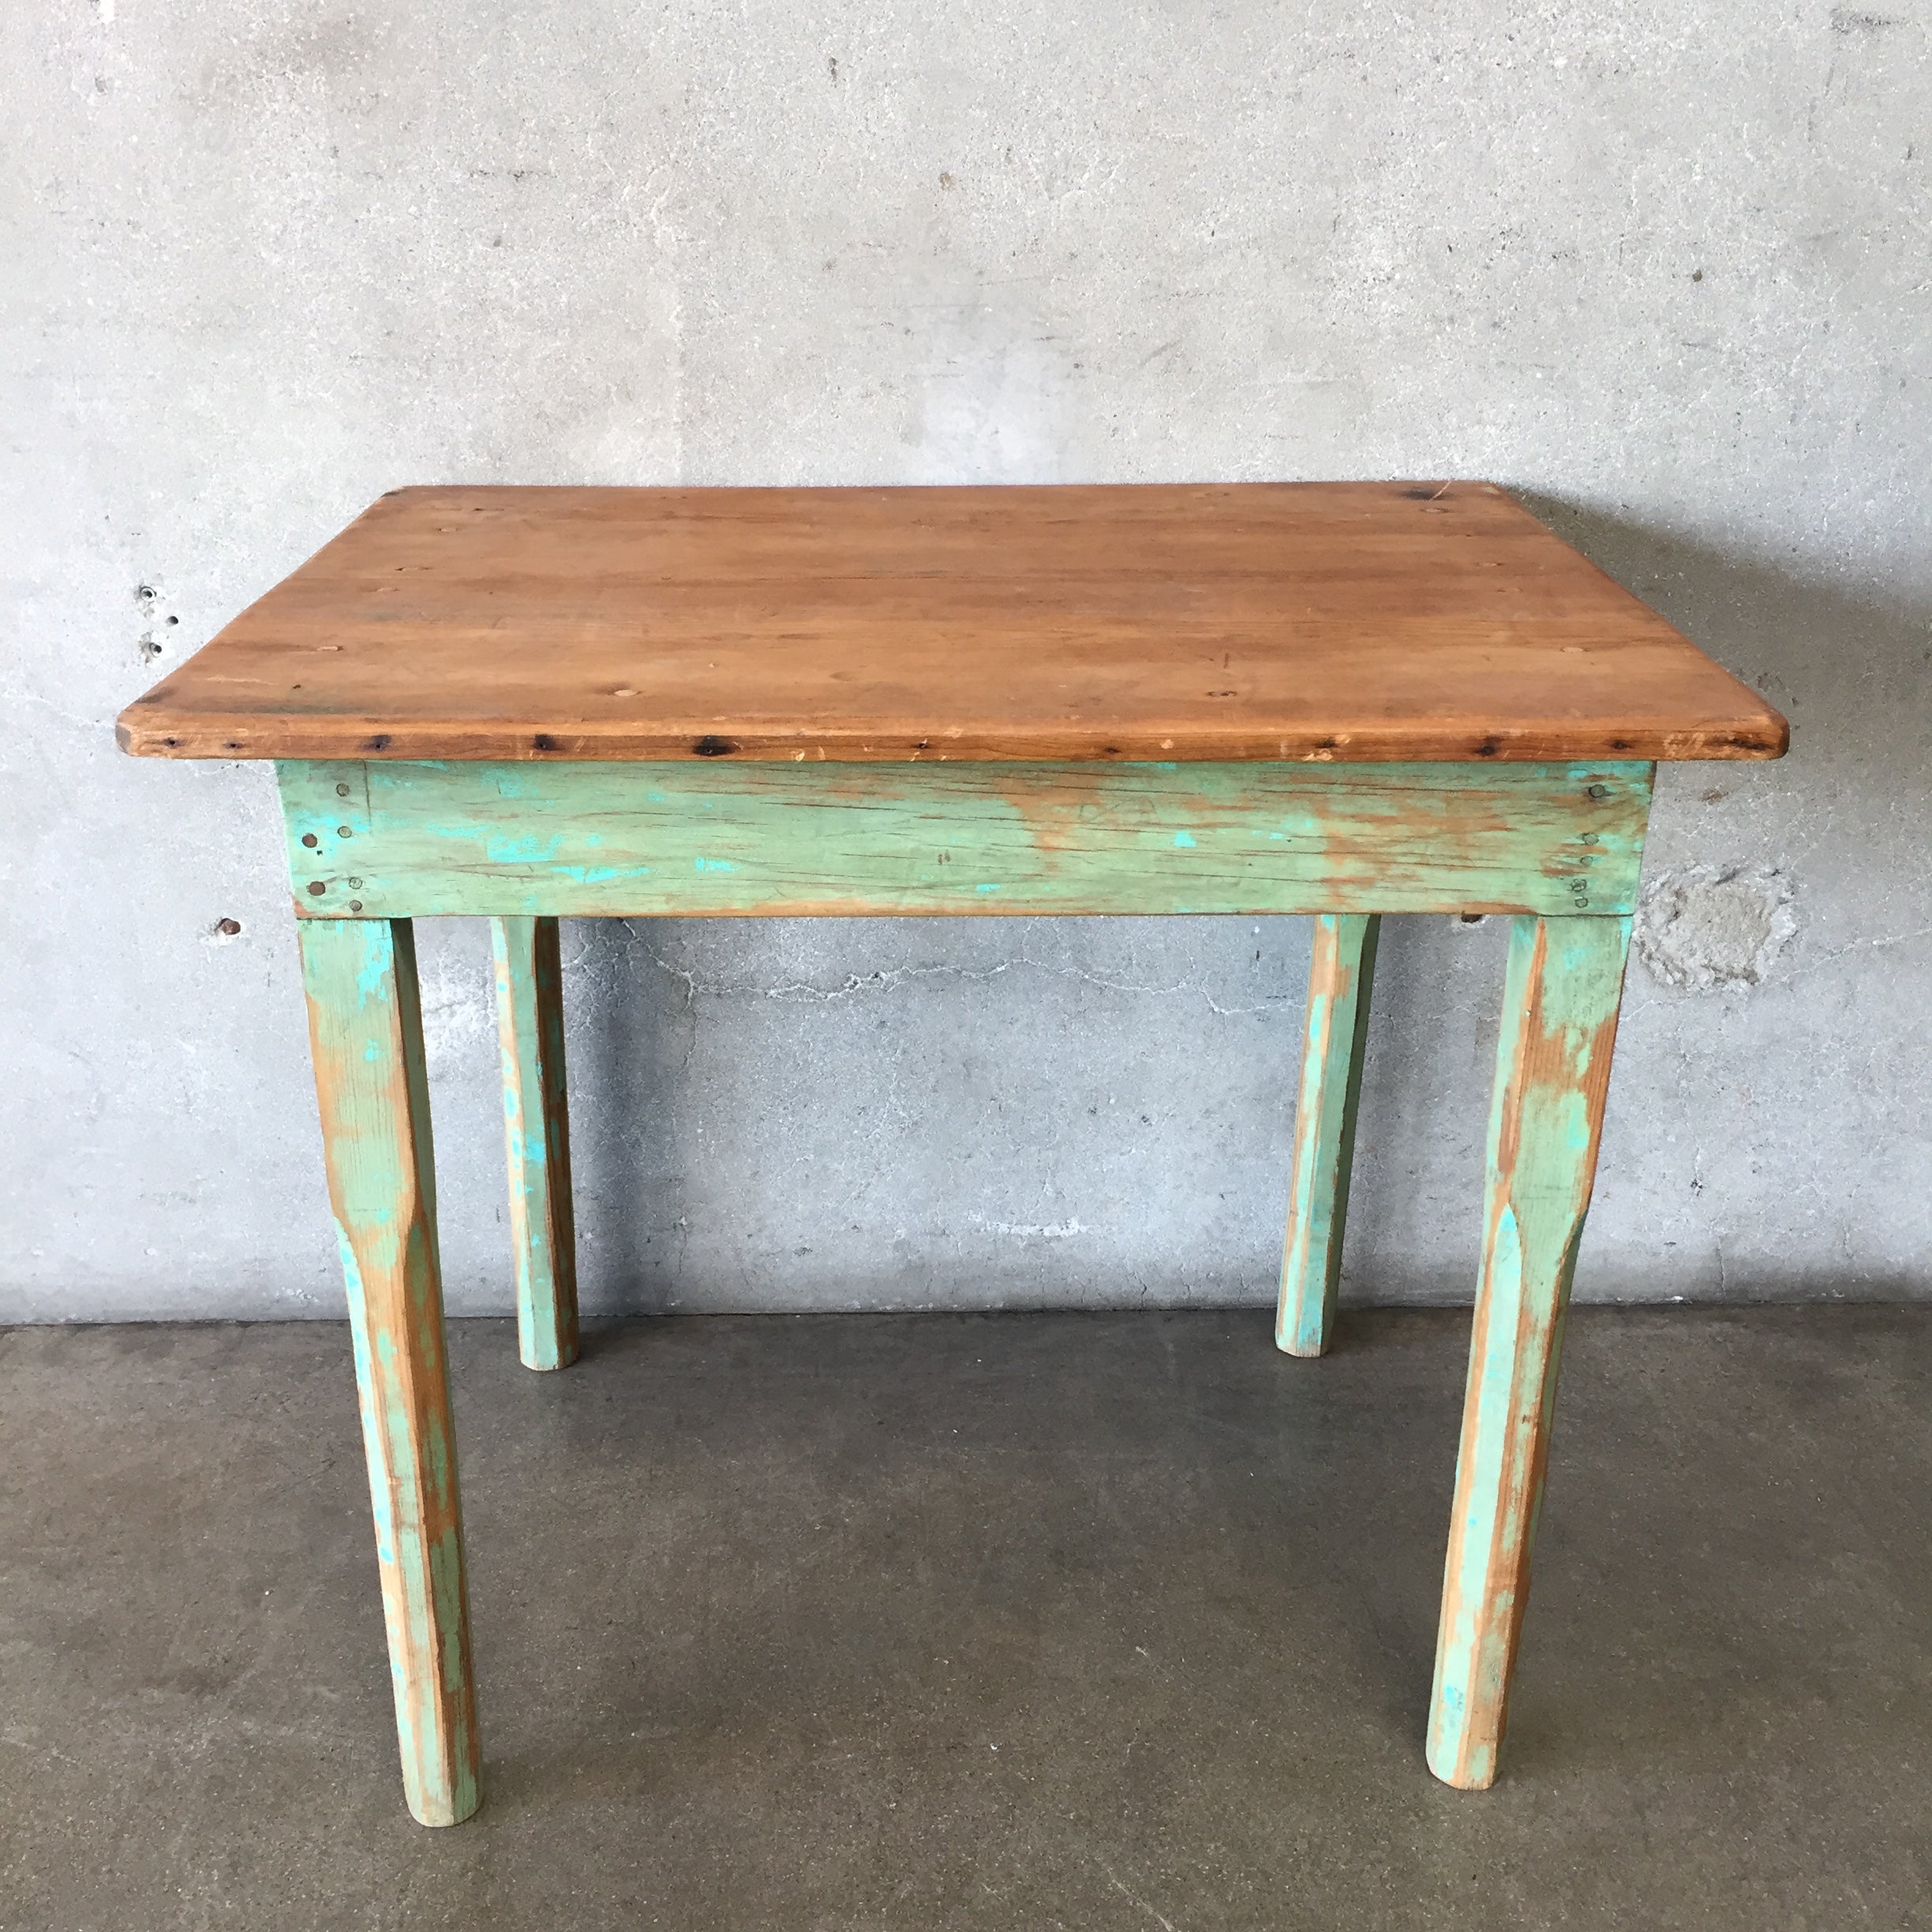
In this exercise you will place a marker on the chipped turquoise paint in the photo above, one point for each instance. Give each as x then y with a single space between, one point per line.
365 1027
1561 990
1341 976
530 1030
614 840
447 1583
505 850
1341 841
528 842
442 1467
365 1398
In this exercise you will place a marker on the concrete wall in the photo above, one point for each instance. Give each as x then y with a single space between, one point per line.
1663 272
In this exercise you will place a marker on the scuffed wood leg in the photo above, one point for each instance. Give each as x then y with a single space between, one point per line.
366 1028
1566 977
1340 976
529 1027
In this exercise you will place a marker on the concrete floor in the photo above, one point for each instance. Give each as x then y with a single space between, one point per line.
1060 1620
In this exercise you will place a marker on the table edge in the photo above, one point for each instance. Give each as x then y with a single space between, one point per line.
153 733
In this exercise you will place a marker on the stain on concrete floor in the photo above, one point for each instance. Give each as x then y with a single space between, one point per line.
1042 1620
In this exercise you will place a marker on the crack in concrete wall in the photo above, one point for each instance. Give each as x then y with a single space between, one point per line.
887 979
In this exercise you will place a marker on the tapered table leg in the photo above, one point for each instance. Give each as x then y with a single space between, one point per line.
1565 979
1340 975
530 1028
366 1028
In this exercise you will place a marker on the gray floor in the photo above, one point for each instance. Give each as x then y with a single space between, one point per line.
1092 1621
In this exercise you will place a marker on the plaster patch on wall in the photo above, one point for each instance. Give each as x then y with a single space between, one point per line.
1703 928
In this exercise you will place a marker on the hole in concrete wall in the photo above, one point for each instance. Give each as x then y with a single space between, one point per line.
1702 928
154 642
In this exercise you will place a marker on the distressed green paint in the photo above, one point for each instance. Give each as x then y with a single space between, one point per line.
1564 982
366 1029
1557 844
615 840
1341 974
530 1031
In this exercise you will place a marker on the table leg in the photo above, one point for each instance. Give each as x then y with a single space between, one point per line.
1340 976
366 1028
1565 979
529 1027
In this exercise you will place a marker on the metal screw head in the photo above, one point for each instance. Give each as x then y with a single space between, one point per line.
1599 791
310 840
355 885
317 887
343 832
355 905
342 791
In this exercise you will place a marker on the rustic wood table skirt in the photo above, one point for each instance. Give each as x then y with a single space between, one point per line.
373 845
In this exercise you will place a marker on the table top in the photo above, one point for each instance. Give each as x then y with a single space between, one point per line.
1346 621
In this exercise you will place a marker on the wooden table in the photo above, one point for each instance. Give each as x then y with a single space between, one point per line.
1335 699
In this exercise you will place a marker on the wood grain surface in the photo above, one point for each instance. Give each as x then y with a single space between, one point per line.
365 1031
587 840
1560 1015
1341 978
1325 621
543 1228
